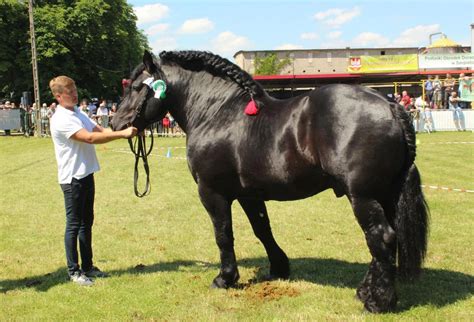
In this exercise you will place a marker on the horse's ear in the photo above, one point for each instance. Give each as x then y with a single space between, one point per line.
149 61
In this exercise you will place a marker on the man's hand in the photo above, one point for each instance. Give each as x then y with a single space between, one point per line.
129 132
101 135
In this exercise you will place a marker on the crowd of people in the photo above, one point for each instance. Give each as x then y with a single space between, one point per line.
101 112
438 94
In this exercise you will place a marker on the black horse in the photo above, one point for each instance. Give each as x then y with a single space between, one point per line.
347 138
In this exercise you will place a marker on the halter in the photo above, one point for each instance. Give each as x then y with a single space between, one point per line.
138 147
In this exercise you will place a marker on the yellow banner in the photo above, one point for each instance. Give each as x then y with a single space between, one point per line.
383 64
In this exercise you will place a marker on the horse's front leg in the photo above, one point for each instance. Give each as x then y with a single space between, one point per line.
219 209
258 217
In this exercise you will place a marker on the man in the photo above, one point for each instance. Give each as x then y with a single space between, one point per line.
7 106
44 120
458 115
74 134
406 101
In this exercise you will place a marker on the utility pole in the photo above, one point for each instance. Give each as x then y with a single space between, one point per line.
34 64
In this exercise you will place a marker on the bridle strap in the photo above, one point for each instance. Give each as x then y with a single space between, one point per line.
140 151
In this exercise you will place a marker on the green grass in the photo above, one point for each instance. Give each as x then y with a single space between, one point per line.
161 253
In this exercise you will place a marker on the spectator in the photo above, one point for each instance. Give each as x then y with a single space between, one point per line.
92 110
166 125
429 89
397 97
51 110
437 93
448 87
74 134
406 101
50 113
458 115
112 111
103 115
7 106
83 106
464 89
44 120
419 115
33 111
172 123
428 120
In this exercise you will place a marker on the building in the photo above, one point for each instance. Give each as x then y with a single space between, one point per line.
395 67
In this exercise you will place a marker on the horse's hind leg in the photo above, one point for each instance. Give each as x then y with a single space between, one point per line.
258 217
377 290
219 209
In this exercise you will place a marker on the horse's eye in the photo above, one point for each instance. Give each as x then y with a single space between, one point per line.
137 87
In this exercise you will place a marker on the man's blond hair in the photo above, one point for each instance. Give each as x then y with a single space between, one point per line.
60 84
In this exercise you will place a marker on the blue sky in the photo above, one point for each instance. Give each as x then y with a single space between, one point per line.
225 27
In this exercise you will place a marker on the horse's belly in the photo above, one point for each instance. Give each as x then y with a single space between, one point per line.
298 188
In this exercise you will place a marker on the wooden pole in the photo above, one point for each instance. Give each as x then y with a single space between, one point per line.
34 64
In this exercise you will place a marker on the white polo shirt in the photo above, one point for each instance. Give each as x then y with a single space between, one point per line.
75 159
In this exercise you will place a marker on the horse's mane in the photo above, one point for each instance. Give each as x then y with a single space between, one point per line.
216 65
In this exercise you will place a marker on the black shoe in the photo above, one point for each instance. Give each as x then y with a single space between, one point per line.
95 272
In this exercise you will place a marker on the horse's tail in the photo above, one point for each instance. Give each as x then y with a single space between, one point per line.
412 213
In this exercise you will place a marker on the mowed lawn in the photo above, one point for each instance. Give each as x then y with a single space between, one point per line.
161 254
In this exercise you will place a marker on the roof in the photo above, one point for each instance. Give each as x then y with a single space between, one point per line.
324 49
444 42
307 80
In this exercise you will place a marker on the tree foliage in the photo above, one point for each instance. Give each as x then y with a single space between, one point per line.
96 42
270 64
15 59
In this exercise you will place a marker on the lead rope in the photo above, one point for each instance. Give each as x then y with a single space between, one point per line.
140 151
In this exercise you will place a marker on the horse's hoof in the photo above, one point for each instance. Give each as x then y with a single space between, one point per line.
361 294
377 302
220 282
281 271
373 307
277 276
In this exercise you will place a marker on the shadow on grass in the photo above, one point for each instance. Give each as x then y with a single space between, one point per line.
436 287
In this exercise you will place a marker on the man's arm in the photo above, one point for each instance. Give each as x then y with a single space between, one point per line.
101 135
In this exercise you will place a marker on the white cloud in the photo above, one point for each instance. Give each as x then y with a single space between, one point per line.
228 43
156 29
309 36
418 36
196 26
334 35
288 47
369 39
163 43
150 13
337 17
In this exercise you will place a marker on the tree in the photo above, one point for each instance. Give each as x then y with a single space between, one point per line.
270 64
96 42
15 50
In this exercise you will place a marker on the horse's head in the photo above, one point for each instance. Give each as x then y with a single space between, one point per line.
143 101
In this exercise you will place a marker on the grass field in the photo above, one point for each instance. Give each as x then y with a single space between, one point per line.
161 253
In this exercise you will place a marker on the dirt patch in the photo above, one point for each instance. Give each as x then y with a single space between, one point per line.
268 291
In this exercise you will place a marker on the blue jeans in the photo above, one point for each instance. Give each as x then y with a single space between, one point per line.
457 113
79 204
